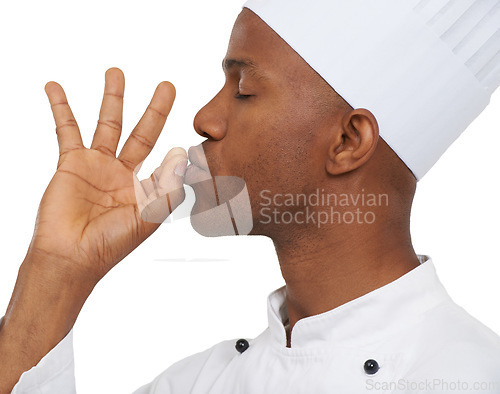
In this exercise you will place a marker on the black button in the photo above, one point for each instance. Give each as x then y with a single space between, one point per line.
371 367
242 345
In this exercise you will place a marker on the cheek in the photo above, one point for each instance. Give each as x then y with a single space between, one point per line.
296 143
274 145
285 153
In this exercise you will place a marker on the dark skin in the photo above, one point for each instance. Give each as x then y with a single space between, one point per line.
319 141
292 134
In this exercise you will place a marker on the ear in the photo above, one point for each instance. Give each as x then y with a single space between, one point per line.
354 143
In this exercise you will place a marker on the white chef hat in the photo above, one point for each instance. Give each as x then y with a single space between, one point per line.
425 68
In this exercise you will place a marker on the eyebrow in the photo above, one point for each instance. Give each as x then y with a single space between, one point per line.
244 64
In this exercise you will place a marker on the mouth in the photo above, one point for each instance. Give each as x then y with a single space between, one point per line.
197 157
197 170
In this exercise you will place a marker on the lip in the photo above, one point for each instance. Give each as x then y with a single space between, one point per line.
197 157
197 171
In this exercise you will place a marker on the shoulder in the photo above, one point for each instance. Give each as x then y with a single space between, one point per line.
452 344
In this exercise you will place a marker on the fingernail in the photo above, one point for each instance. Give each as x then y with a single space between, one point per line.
180 168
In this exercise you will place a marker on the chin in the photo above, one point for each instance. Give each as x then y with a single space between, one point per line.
222 207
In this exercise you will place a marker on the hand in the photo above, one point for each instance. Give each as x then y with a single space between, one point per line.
88 220
89 217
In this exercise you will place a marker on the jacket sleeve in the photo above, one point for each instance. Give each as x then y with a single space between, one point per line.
55 373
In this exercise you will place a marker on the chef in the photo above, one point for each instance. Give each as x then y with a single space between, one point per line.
358 98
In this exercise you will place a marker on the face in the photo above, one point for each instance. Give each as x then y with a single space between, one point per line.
269 124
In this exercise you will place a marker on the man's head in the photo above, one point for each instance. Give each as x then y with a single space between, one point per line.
281 128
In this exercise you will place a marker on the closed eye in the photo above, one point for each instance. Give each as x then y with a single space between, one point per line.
242 96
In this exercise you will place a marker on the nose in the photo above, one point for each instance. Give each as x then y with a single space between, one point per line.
210 121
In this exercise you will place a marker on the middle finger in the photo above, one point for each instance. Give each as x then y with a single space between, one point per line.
109 125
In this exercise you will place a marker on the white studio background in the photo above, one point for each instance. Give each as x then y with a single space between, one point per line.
180 293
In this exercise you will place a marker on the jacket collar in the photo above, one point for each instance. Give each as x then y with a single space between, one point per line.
366 319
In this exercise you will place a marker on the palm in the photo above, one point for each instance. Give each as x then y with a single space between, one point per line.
89 213
89 209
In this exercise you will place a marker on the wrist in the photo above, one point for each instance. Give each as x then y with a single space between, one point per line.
46 301
48 286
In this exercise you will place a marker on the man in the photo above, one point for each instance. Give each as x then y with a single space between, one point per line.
360 310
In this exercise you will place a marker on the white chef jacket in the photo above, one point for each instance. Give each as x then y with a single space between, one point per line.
421 341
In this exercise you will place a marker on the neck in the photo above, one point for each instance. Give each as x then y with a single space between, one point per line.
326 269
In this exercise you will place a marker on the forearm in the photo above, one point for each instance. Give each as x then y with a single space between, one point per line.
46 301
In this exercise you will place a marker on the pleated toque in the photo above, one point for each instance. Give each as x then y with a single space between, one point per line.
425 68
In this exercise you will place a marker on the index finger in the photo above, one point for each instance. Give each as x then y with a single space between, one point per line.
68 133
144 136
